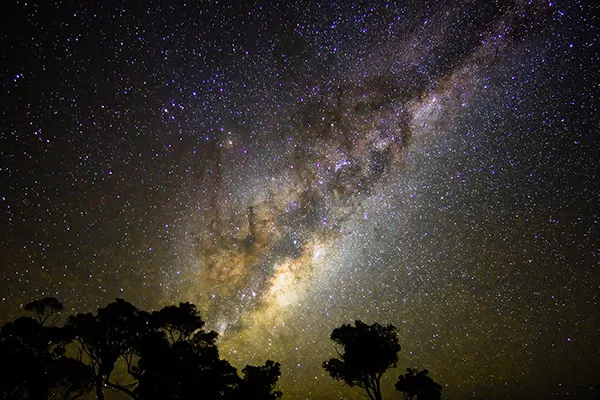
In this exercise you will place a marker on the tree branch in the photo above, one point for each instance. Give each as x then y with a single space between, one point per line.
123 389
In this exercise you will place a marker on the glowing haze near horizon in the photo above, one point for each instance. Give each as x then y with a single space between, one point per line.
289 168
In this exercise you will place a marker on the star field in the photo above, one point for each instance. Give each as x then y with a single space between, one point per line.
293 166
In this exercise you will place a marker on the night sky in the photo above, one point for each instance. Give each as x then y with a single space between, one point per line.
292 167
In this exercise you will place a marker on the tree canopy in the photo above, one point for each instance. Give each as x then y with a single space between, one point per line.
365 353
33 364
417 385
167 354
46 309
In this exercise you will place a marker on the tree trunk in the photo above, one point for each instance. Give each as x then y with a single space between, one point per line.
99 386
377 389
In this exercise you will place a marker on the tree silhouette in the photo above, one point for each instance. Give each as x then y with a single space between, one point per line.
46 310
180 360
166 354
71 379
106 337
259 382
367 352
33 364
417 385
178 323
23 360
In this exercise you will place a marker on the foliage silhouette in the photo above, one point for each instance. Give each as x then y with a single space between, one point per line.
178 362
106 337
33 364
165 354
259 382
46 310
417 385
368 351
23 360
71 379
178 323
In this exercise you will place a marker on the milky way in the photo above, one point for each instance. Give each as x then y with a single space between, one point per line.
289 168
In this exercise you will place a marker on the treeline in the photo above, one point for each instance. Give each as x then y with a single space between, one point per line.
167 354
